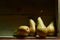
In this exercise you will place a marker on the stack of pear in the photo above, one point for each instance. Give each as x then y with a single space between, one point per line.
32 27
51 29
41 28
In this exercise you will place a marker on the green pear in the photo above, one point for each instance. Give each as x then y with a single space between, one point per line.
51 28
41 28
32 26
23 30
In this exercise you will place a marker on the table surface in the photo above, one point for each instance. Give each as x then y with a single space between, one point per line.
29 39
14 38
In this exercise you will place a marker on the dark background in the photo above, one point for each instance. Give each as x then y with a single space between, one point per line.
14 13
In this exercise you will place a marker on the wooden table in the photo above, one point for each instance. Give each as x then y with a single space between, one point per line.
14 38
29 39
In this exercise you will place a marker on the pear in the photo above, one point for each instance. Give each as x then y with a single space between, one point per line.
23 30
32 26
41 28
51 28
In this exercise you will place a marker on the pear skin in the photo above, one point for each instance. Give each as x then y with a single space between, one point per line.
41 28
23 30
51 29
32 26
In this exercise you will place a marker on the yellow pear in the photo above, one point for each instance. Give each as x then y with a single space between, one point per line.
51 29
41 28
32 26
23 30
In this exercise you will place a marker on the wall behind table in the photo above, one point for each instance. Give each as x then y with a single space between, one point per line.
9 23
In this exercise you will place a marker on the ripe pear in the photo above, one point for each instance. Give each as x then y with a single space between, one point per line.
51 29
23 30
32 26
41 28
